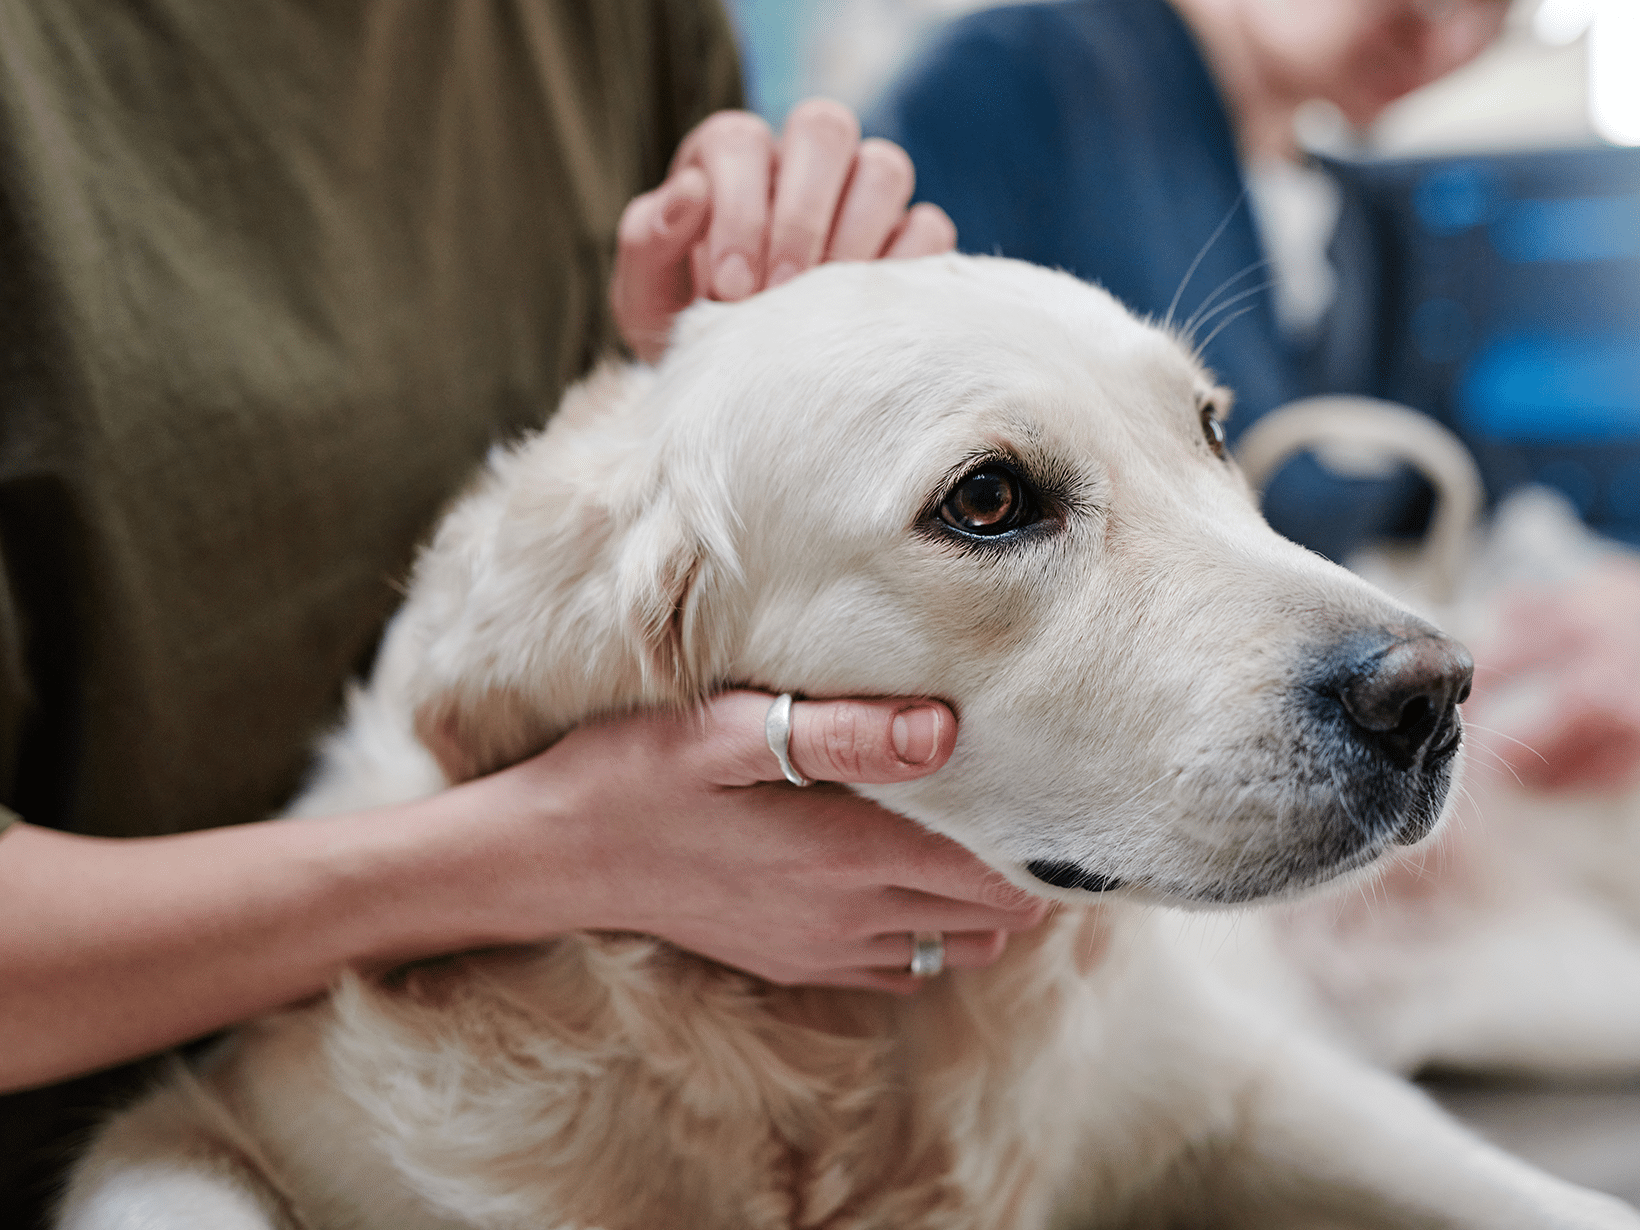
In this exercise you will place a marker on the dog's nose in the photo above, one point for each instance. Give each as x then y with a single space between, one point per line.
1402 690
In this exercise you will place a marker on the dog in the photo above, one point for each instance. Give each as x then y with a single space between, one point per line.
959 477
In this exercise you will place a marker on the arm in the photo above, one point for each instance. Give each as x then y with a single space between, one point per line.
110 949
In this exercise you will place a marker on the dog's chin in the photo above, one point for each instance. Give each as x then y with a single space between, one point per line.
1340 846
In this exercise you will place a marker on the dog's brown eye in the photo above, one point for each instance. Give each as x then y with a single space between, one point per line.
991 500
1213 429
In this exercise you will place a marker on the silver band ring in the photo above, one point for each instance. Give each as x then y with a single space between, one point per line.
927 953
777 729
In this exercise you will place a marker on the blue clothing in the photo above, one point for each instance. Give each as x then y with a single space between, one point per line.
1089 135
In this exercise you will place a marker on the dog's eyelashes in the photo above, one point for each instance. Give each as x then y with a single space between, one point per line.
1213 407
1213 429
988 501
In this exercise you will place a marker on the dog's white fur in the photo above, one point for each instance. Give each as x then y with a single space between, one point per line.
759 511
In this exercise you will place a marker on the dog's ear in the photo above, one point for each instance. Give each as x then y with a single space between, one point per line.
674 582
586 575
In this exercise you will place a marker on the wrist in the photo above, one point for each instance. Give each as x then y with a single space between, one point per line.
489 862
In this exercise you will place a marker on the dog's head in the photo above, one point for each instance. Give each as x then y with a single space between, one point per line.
977 480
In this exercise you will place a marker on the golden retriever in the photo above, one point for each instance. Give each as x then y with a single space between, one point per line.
1161 702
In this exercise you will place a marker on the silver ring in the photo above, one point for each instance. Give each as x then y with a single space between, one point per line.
777 729
927 953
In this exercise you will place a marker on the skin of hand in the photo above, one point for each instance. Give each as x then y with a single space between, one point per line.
672 824
740 212
1270 56
1577 650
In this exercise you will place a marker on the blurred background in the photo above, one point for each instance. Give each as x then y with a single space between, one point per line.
1566 73
1545 312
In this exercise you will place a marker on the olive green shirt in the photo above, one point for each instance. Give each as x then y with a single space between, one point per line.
273 277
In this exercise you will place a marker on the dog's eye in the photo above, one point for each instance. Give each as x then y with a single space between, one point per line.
989 501
1213 429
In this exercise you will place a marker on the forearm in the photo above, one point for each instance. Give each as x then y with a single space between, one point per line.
110 949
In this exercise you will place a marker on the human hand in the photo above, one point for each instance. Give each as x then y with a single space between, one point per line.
680 826
739 213
1562 680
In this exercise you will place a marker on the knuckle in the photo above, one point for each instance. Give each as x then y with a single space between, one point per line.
833 927
824 119
999 894
797 240
736 128
843 743
887 164
934 227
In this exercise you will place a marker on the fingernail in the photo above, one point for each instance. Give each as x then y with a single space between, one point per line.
916 734
785 271
674 213
734 277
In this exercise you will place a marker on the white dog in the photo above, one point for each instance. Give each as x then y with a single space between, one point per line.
956 477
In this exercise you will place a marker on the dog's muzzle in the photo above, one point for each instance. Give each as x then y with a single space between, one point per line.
1388 700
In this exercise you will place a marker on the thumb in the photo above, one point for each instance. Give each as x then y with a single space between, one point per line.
866 741
652 281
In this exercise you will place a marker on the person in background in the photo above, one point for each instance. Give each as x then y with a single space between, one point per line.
273 278
1150 146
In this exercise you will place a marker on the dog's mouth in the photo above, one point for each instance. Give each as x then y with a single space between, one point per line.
1339 801
1071 875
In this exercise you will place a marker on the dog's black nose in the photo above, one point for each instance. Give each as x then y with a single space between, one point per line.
1401 689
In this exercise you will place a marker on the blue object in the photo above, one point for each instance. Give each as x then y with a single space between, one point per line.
1595 228
1454 198
1088 136
1553 388
1545 387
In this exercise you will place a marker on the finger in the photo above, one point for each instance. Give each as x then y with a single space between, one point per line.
963 950
874 201
816 157
833 740
870 740
989 903
926 231
653 280
736 150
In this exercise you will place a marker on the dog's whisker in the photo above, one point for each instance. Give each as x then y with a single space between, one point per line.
1490 730
1220 308
1206 304
1222 326
1207 247
1496 765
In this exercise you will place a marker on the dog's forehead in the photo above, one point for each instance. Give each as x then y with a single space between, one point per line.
902 346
